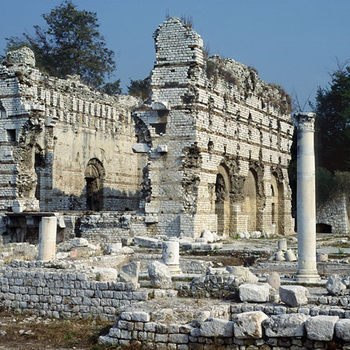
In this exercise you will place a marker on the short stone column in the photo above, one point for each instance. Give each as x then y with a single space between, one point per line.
306 201
47 238
171 256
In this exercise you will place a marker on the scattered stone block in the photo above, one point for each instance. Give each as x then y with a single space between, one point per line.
160 275
274 280
321 327
209 236
336 285
255 293
130 272
106 274
342 329
290 256
79 242
248 325
279 256
321 257
249 277
287 325
294 295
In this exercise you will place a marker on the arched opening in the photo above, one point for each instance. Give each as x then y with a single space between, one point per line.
250 202
323 228
94 176
222 203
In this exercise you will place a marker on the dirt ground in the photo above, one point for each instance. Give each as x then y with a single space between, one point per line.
26 332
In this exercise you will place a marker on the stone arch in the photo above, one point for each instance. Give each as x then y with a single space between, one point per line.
222 201
94 177
250 203
276 204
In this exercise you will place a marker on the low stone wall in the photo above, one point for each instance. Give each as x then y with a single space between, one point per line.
27 286
250 330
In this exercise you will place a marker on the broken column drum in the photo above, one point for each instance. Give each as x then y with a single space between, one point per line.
171 256
306 202
47 238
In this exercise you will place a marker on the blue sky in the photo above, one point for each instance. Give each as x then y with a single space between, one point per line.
294 43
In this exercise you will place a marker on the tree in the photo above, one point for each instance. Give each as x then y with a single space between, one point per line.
140 88
71 44
332 134
333 123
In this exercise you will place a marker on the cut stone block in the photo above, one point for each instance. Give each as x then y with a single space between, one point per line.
287 325
321 327
336 285
255 293
274 280
216 327
130 272
294 295
160 275
342 329
248 325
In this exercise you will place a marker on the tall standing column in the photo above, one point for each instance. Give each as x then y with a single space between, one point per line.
47 238
306 201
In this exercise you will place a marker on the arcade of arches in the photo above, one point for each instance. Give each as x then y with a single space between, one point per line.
252 212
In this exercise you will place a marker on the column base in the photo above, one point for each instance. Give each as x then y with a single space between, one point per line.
174 269
307 276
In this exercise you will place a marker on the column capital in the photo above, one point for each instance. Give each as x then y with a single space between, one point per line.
305 121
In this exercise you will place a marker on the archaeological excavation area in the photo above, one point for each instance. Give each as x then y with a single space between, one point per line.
171 218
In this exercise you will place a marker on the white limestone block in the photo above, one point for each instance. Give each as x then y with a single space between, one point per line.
274 280
140 148
336 285
321 327
287 325
160 275
216 327
255 293
294 295
342 329
248 325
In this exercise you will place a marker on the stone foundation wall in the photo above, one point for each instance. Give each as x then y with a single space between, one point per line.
335 214
65 293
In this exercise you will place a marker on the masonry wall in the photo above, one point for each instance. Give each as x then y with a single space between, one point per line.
63 293
215 117
58 135
335 214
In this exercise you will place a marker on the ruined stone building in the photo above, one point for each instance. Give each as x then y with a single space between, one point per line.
208 150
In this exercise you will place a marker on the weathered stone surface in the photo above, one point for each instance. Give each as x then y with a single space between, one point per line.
79 242
290 256
294 295
136 316
287 325
274 280
336 285
321 327
249 325
130 272
215 327
249 277
256 293
160 275
106 274
342 329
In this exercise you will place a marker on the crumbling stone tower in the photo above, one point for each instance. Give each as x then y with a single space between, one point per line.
220 142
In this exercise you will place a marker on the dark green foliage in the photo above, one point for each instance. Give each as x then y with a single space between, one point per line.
71 44
140 88
112 88
333 123
325 184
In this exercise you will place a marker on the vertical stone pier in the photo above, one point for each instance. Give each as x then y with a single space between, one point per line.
47 238
306 201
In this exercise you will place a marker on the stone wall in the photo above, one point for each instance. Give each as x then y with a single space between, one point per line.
221 141
334 213
208 150
29 287
63 145
252 330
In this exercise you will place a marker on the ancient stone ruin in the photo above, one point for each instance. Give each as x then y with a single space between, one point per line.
169 217
208 150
